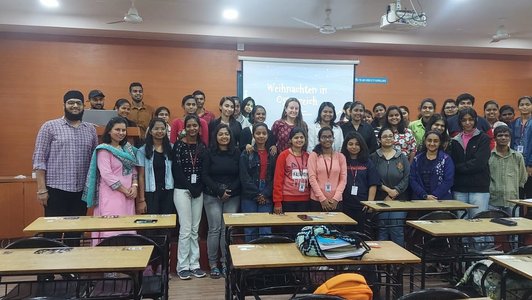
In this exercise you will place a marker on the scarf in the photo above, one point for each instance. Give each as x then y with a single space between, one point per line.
126 155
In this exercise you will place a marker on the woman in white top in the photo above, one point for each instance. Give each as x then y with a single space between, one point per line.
326 118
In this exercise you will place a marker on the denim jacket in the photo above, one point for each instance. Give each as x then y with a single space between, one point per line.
249 175
149 174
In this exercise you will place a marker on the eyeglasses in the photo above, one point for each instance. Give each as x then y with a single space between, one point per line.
327 138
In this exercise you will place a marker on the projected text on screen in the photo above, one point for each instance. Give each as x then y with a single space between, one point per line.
271 83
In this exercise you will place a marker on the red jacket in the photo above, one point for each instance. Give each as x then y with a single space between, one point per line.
290 172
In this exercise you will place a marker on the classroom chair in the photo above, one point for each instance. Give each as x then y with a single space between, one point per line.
153 286
435 294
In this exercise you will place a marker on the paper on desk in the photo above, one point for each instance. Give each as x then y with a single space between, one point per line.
245 247
527 200
237 215
20 177
422 222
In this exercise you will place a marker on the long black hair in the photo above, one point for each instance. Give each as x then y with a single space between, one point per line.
106 137
214 144
401 125
243 105
318 149
322 107
295 131
167 148
440 136
254 111
435 118
363 155
464 112
347 106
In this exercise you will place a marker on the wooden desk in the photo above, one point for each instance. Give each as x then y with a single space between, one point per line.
519 264
286 219
417 205
90 223
77 260
127 259
523 203
247 257
471 227
466 228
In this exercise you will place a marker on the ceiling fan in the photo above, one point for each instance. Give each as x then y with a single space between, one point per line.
500 35
328 28
132 16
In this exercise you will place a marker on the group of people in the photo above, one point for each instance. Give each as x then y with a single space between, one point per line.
236 162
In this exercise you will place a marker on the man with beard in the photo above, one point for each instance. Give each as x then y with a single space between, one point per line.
63 151
96 99
140 112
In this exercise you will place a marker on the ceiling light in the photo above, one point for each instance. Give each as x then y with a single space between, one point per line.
230 14
50 3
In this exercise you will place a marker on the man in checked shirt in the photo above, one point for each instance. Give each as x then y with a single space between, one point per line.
61 159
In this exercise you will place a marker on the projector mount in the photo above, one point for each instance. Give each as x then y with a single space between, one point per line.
397 18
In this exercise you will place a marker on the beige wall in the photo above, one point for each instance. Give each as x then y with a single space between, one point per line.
36 70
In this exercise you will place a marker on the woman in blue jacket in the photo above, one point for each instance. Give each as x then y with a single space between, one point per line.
155 174
256 179
432 170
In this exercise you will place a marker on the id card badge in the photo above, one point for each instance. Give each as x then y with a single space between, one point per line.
193 178
296 175
520 149
301 186
328 187
354 190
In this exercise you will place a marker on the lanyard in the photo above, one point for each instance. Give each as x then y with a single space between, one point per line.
354 174
327 168
298 165
193 160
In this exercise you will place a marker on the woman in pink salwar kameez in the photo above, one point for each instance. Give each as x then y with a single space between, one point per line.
112 178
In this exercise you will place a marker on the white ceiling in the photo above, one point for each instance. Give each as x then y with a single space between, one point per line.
453 25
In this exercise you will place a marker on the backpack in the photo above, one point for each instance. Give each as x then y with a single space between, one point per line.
307 242
350 286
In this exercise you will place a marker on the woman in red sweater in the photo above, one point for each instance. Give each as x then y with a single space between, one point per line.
291 190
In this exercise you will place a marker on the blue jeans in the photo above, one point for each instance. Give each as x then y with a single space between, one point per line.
391 227
479 199
251 206
214 209
482 201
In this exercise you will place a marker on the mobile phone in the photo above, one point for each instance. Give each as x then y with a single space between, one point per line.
305 217
70 218
145 221
382 204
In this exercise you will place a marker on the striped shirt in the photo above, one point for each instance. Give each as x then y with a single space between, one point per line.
64 152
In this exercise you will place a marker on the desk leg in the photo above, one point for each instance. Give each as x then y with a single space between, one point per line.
423 266
411 279
399 279
228 291
503 284
229 265
242 285
388 281
137 284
